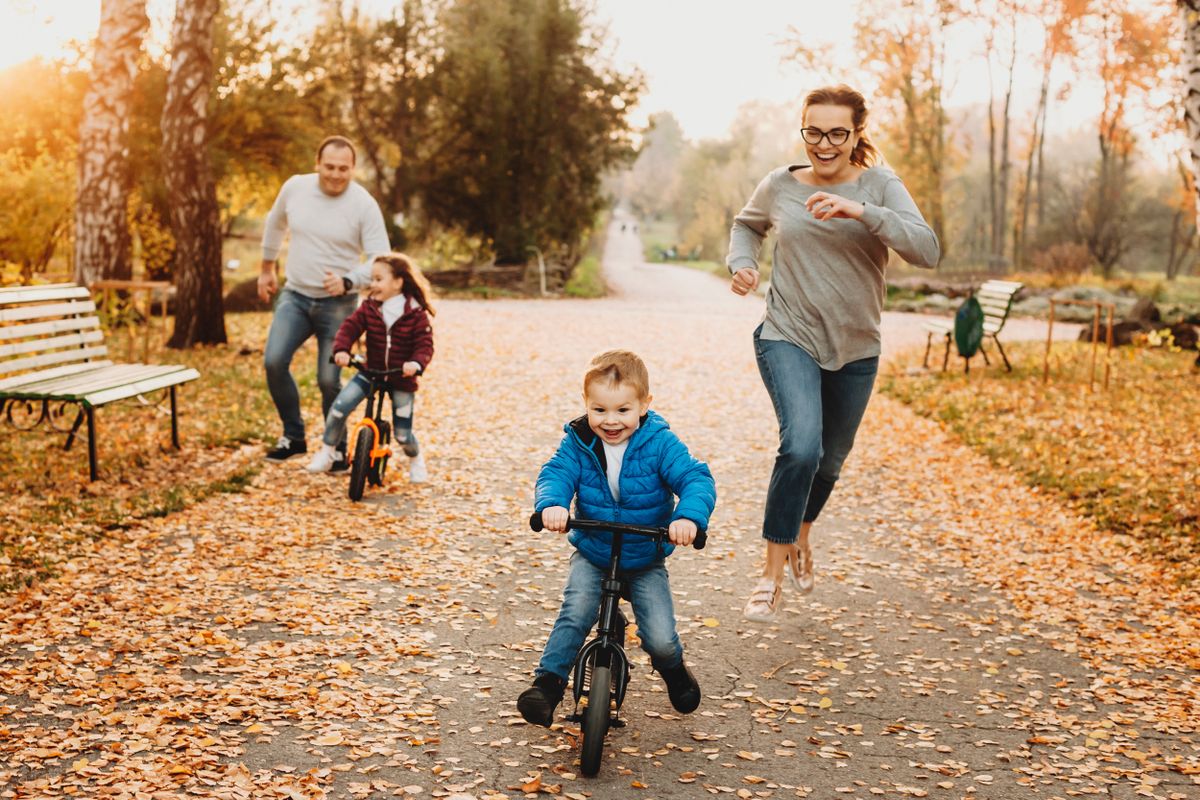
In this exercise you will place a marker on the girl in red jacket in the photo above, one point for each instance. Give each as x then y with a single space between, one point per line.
395 317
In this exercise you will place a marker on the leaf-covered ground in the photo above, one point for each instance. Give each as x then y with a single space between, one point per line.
1128 455
969 636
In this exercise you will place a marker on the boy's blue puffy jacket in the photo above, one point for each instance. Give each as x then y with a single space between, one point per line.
657 466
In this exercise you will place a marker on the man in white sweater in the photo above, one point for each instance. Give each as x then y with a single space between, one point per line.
335 224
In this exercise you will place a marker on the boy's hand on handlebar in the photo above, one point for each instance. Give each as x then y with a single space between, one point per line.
342 359
411 368
555 518
681 532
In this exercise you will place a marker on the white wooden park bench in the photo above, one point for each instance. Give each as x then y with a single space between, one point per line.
53 359
996 299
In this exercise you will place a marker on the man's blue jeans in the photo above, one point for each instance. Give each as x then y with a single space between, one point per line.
819 412
298 317
650 590
354 393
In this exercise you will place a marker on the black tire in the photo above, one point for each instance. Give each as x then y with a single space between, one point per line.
361 463
595 720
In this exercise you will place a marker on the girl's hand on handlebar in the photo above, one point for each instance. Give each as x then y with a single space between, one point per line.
745 281
681 532
342 359
411 368
555 518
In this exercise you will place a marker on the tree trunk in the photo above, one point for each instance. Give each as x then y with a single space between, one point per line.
1189 11
1021 240
195 218
101 226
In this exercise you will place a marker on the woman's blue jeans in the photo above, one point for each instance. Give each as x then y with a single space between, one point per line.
650 590
819 412
298 317
354 393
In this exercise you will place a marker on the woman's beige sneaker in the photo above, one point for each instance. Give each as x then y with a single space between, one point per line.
764 602
800 569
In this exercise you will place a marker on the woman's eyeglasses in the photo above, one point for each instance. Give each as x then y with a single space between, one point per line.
837 137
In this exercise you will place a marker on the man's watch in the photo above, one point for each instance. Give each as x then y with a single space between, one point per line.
347 284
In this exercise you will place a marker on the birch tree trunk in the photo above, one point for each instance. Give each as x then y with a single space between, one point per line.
195 219
101 226
1189 11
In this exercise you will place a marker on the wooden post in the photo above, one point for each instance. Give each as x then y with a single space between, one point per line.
1108 349
1095 344
1049 338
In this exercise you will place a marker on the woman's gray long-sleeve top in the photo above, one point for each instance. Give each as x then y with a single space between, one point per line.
827 280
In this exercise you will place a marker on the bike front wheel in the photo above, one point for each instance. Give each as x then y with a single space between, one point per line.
361 464
595 720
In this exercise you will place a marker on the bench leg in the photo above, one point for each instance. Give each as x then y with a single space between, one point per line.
174 422
987 362
928 344
74 429
1000 347
93 472
946 357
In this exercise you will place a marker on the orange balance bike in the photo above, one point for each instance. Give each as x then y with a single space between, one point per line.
372 435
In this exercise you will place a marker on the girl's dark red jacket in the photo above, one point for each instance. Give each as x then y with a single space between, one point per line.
410 339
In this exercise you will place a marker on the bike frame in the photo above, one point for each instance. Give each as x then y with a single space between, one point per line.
374 401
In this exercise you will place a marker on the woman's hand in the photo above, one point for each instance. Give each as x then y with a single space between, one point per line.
410 368
745 281
824 205
342 359
681 532
554 519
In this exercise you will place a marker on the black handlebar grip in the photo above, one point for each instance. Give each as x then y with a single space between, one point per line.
535 521
700 540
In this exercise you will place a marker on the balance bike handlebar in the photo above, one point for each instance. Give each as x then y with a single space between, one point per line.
661 534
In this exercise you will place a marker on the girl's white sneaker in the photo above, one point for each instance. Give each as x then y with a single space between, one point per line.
417 473
322 461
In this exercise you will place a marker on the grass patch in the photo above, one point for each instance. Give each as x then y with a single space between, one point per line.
1128 457
586 280
52 511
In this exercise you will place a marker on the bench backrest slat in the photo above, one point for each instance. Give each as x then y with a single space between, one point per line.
40 311
43 328
41 294
47 344
57 357
996 298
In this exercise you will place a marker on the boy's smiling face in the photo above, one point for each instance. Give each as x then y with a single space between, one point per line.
614 410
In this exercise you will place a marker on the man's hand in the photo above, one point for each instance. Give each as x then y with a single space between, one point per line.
554 519
333 284
268 284
745 281
681 532
342 358
410 368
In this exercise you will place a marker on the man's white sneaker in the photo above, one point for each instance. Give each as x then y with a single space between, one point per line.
322 461
417 473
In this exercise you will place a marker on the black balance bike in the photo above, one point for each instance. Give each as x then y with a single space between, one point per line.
372 434
602 669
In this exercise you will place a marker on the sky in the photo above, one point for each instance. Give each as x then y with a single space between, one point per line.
702 59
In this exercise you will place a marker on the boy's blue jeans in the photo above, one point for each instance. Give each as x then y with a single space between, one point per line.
819 412
296 318
354 393
650 590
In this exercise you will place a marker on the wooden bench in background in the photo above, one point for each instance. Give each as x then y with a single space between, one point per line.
996 299
53 359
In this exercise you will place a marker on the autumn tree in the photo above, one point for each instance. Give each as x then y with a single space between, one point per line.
101 230
1189 24
1001 55
654 177
904 49
529 118
195 219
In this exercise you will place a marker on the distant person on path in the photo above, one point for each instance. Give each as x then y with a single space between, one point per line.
818 344
333 223
620 460
395 318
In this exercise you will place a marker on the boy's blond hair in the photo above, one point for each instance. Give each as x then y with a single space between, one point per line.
617 367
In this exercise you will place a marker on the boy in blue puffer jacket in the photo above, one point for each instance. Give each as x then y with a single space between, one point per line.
620 462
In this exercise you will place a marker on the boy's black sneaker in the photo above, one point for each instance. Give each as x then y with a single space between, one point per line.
682 688
340 462
537 703
285 448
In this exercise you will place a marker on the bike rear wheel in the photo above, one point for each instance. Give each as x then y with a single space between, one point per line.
375 476
361 463
595 719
